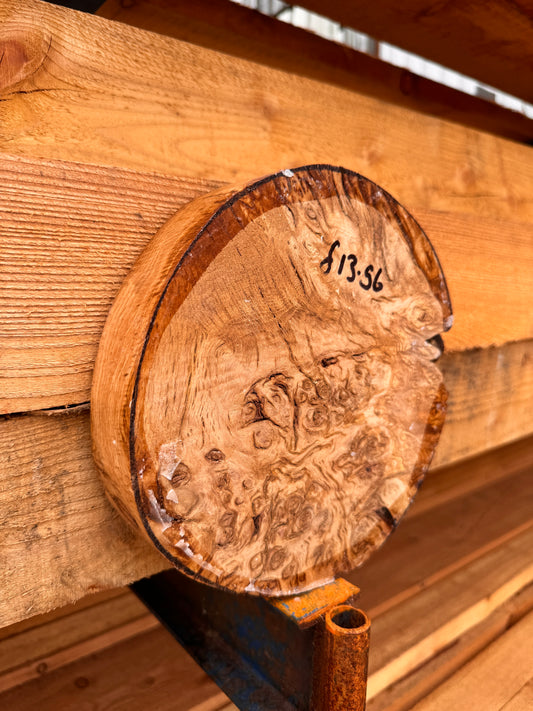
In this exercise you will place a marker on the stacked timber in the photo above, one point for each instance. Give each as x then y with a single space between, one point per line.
450 596
106 129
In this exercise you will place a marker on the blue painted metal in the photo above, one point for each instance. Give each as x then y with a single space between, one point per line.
259 651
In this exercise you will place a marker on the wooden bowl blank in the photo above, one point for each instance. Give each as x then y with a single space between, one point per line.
265 399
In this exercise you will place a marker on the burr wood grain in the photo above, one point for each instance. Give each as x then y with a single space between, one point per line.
266 401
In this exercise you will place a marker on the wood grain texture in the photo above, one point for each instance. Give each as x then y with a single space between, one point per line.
475 472
237 30
60 538
495 680
36 451
403 695
522 700
170 680
446 610
29 623
249 419
70 233
109 94
491 42
489 401
71 633
44 643
408 562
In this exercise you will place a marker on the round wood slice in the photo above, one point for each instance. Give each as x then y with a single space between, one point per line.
265 399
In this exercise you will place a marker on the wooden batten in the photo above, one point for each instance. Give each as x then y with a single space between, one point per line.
245 33
491 42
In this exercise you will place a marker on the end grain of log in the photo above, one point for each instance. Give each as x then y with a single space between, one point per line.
266 382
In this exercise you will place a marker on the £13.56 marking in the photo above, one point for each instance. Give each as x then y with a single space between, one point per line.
370 281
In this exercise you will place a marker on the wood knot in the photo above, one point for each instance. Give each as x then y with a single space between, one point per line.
21 55
215 455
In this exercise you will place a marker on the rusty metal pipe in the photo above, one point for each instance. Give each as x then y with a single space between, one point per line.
340 663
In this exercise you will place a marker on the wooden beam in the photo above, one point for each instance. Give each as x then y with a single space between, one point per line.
491 42
54 504
71 232
62 539
233 29
152 103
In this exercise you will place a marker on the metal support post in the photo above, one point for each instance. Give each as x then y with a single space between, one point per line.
307 652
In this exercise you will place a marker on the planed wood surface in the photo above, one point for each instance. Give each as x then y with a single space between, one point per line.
153 103
492 42
499 679
70 233
245 33
260 445
446 610
404 694
36 451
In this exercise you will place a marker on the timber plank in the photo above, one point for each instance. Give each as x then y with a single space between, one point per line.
50 637
446 610
241 32
101 92
468 476
489 401
60 538
494 679
522 700
45 618
49 483
70 233
463 529
71 637
149 670
492 42
404 694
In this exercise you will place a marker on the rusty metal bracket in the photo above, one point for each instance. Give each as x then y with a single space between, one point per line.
307 652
